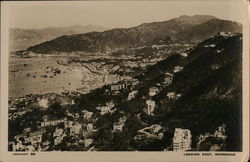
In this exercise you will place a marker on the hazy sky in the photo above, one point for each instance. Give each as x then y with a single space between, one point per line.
112 14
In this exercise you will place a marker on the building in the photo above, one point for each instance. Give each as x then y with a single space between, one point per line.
104 109
173 95
184 54
27 130
177 69
152 132
132 95
120 86
182 139
115 87
58 132
209 45
30 148
221 132
17 146
52 122
36 137
153 91
87 114
43 102
225 34
107 108
90 127
58 140
150 107
68 124
88 142
168 78
118 126
75 129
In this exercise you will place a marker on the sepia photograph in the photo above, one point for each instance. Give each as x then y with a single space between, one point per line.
130 76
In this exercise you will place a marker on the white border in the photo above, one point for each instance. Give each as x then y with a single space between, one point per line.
111 156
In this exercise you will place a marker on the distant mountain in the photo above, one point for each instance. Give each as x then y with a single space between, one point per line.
184 29
207 29
24 38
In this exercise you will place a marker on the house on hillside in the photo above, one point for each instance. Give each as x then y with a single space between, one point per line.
75 129
183 54
88 142
153 91
87 114
36 137
173 95
52 122
120 86
152 132
107 108
58 132
177 69
132 95
68 124
168 78
118 126
150 107
43 102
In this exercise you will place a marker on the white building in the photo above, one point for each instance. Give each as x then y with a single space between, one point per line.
106 109
150 107
90 127
132 95
87 114
36 137
43 102
168 78
52 122
75 129
118 126
27 130
58 132
58 140
153 132
153 91
68 124
184 54
221 132
182 139
173 95
177 69
88 142
210 45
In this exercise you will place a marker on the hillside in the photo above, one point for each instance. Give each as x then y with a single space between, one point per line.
177 30
209 88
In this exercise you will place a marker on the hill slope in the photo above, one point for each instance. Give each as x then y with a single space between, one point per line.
209 86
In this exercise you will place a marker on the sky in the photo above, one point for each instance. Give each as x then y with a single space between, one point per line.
116 14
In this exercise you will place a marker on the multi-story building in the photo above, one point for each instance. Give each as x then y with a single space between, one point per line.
182 139
75 129
150 107
153 91
118 126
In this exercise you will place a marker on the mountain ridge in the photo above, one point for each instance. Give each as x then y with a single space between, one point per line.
172 31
